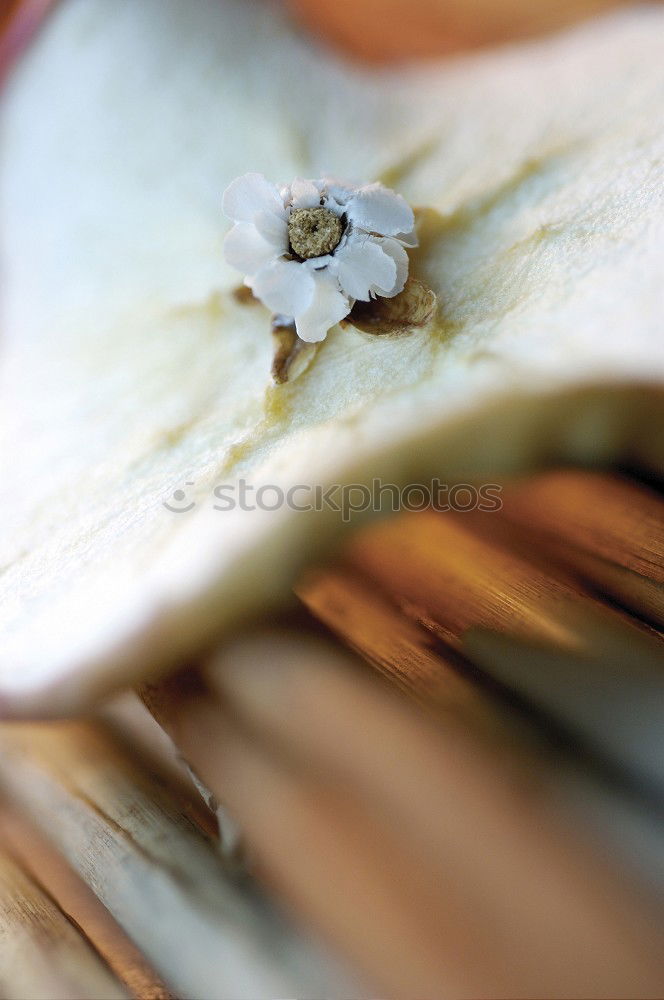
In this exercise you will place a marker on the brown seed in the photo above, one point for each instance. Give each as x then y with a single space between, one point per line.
411 308
244 296
292 356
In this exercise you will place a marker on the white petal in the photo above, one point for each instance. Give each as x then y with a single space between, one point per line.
362 267
328 306
400 258
284 286
341 191
379 210
250 194
246 249
408 239
304 194
274 229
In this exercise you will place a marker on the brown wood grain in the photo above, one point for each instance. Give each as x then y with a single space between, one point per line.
125 833
37 856
455 575
408 655
43 956
608 528
609 515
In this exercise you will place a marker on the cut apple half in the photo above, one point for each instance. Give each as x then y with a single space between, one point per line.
136 383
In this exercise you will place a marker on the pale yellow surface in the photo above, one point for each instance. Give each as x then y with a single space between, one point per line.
130 369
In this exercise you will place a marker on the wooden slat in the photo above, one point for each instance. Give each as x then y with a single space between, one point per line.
164 882
396 646
592 669
447 571
45 865
135 726
424 669
606 527
134 716
43 956
613 517
418 664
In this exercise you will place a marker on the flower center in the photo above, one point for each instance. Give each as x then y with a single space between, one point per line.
314 232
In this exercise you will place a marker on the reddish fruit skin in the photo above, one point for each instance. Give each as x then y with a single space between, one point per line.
19 20
381 31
